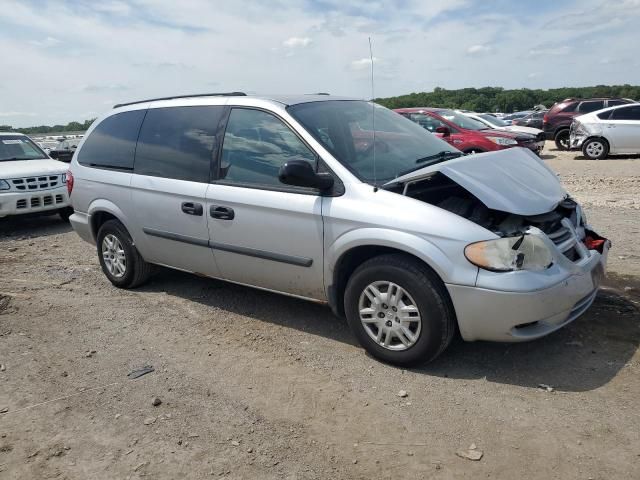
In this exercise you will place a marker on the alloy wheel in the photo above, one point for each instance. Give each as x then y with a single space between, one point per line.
389 315
115 260
594 149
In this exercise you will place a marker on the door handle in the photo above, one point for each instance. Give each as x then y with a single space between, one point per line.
191 208
222 213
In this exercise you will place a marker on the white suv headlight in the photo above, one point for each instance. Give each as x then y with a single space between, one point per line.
4 185
525 252
503 141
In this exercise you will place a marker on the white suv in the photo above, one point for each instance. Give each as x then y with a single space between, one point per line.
343 202
30 181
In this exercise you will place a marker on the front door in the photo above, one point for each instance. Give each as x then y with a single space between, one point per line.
262 232
171 177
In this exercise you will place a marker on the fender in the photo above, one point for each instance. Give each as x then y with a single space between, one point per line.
415 245
104 205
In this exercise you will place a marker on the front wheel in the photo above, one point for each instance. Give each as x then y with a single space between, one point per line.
399 310
119 258
562 139
595 149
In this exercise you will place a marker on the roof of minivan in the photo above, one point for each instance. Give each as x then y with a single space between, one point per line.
282 99
13 134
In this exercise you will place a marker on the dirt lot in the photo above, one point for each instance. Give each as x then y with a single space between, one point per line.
255 385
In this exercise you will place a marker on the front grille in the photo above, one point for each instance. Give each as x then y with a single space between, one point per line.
564 228
59 198
22 203
35 202
46 182
47 200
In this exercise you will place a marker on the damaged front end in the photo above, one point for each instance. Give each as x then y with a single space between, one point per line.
513 195
541 265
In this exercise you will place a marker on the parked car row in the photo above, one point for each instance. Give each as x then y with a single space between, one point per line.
471 133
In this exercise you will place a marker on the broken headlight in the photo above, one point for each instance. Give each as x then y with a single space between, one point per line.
524 252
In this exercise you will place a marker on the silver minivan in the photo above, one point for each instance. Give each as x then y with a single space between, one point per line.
343 202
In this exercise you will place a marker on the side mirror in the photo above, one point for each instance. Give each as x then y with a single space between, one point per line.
300 174
443 130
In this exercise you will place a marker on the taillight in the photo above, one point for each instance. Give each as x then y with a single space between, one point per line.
69 182
545 119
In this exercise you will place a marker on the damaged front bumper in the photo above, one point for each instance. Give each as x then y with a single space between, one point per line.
535 303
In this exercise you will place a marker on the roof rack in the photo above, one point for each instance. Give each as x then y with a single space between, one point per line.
228 94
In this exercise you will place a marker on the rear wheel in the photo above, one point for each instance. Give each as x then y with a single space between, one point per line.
595 149
399 310
120 260
562 140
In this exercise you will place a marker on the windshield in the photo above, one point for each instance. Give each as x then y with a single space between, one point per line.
461 120
18 147
345 128
496 122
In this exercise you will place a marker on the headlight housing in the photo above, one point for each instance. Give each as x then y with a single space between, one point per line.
4 185
524 252
503 141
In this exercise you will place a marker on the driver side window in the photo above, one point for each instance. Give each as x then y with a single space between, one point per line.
427 122
256 144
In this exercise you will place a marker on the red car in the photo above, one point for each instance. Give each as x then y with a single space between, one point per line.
466 134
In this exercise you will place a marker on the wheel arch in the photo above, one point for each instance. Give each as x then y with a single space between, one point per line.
597 137
345 256
102 210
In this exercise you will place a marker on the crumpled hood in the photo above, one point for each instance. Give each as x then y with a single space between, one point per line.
26 168
514 180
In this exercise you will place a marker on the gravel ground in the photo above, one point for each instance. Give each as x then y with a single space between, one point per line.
255 385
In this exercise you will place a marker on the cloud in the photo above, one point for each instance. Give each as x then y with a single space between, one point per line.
104 88
295 42
18 114
46 43
478 49
114 49
363 63
547 51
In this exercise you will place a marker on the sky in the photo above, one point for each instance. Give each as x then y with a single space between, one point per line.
72 60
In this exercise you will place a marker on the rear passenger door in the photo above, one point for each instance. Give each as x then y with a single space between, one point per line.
172 170
264 233
623 129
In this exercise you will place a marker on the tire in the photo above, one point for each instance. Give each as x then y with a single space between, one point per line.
136 270
422 288
595 148
65 213
562 139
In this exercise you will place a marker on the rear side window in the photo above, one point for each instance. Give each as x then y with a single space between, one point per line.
613 103
113 142
178 142
586 107
626 113
426 121
605 115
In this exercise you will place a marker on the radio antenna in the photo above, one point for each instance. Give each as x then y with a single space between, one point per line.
373 118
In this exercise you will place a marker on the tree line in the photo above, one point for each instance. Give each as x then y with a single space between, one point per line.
69 127
497 99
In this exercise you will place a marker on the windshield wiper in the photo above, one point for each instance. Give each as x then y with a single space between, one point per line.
440 156
10 159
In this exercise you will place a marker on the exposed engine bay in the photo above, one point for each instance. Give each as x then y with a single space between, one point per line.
443 192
